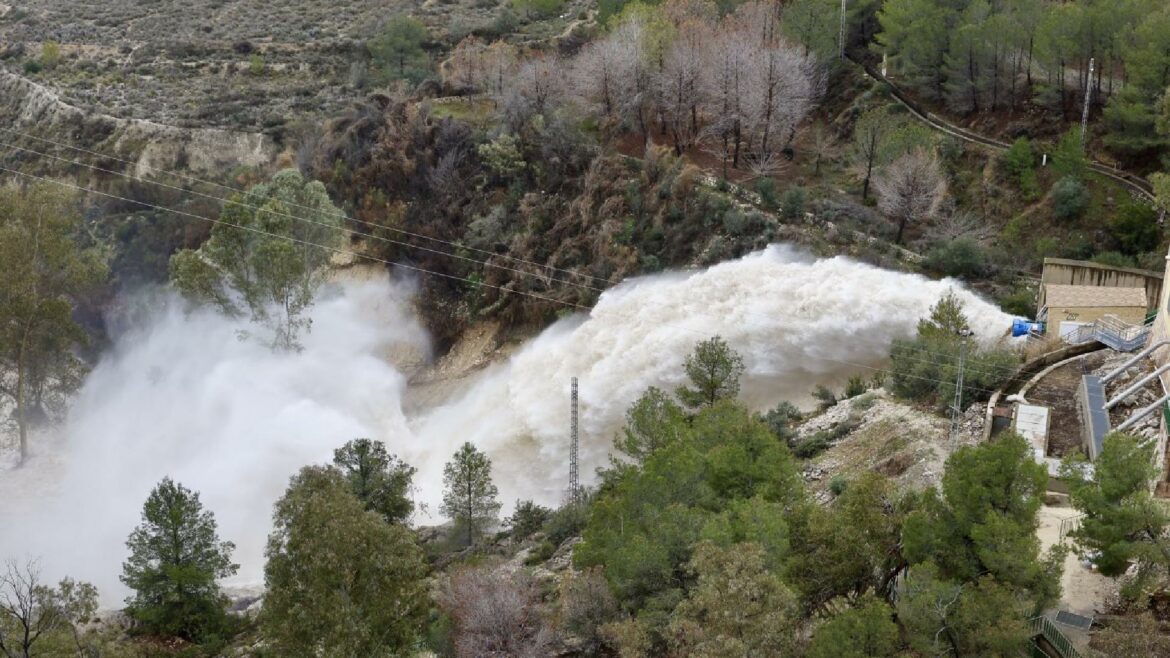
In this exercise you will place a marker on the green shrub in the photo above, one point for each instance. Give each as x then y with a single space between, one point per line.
824 396
855 386
766 188
50 54
505 22
566 522
838 485
1020 158
865 402
540 8
1021 303
541 553
398 51
781 419
502 157
792 203
962 258
1068 158
734 222
527 519
32 67
1070 198
811 446
1135 227
1114 259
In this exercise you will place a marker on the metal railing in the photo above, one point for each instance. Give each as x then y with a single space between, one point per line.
1043 627
1113 332
1067 526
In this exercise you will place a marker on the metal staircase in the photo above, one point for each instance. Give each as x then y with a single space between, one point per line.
1112 332
1042 628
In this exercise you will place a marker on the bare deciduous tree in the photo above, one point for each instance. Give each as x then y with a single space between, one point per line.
496 613
822 145
680 85
536 88
31 611
466 67
953 224
600 74
910 189
781 91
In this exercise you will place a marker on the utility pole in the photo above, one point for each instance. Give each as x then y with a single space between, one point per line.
574 482
957 405
841 33
1088 99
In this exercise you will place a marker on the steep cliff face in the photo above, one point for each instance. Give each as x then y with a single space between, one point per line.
28 109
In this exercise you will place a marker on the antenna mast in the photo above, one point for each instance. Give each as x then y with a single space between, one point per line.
574 483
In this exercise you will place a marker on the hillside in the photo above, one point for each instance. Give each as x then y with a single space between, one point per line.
577 328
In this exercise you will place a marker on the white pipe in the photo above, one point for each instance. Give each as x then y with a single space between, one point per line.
1136 387
1138 357
1129 422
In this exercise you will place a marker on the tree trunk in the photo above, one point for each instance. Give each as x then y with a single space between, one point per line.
21 419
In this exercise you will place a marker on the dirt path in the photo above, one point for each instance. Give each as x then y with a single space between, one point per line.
1083 590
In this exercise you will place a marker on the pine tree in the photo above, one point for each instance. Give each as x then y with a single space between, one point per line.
1123 524
175 559
378 479
714 370
470 496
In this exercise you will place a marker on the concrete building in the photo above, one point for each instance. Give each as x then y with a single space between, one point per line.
1062 271
1067 308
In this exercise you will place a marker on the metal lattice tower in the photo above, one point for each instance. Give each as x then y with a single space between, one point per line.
1088 100
957 405
841 33
574 483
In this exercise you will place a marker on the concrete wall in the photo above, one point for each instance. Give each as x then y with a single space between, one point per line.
1084 273
1056 315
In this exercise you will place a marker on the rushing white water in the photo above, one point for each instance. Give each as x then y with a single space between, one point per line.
181 395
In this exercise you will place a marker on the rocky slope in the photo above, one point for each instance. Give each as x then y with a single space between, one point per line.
29 110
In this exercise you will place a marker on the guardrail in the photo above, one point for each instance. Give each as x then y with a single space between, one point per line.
1112 332
1068 525
1043 627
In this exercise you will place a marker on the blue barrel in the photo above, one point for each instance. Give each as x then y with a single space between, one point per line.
1022 327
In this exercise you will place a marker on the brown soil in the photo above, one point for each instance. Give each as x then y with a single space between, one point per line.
1058 391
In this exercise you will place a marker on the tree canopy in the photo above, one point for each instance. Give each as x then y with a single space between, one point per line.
340 580
176 558
380 480
267 255
714 370
45 268
469 495
1123 524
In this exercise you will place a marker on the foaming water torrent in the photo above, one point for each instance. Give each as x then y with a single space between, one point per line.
181 395
797 321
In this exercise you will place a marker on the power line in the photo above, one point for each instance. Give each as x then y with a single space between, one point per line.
424 271
295 217
342 215
289 238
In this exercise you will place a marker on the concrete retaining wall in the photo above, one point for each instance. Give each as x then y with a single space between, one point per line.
1085 273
